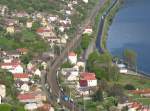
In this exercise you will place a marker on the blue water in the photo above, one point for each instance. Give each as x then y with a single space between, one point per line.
131 29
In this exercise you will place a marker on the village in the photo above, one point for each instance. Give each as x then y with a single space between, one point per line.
72 77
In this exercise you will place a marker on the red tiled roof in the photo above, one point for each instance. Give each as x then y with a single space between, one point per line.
26 96
10 64
21 75
41 30
22 50
72 54
136 105
83 83
87 76
144 91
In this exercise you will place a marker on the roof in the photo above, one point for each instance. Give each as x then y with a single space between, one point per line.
87 76
143 91
14 64
72 54
26 96
21 75
42 29
22 50
30 95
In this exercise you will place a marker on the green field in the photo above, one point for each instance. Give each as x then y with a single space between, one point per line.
6 107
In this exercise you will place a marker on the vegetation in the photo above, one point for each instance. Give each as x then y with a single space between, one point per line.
33 5
6 78
26 38
130 57
7 107
85 41
108 21
102 66
66 65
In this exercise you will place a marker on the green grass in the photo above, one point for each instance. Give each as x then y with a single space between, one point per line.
26 38
138 82
7 107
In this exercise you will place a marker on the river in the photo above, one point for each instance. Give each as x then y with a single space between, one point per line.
131 29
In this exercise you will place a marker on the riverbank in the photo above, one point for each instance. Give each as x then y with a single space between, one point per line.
105 23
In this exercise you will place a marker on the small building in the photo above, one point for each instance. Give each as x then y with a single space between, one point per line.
25 87
29 24
10 29
22 51
85 1
87 79
30 97
22 77
37 72
2 90
72 57
88 30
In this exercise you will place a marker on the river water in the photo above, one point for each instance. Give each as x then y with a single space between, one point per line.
131 29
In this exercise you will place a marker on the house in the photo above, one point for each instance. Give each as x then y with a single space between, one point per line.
25 87
44 64
52 18
81 65
16 69
74 70
73 75
13 67
22 77
61 29
35 96
2 90
22 51
135 106
142 92
88 30
72 57
44 22
22 14
30 106
87 79
12 54
10 29
45 32
122 68
68 12
85 1
37 72
29 24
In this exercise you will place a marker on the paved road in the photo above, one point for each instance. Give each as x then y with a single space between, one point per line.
52 68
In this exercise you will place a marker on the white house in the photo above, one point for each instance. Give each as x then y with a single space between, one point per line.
85 1
12 67
16 69
2 90
37 72
88 30
25 87
87 79
22 76
30 106
72 57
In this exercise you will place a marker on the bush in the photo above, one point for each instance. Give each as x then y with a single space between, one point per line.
129 87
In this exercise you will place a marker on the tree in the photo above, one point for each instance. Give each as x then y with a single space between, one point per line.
129 87
35 26
26 58
85 41
130 57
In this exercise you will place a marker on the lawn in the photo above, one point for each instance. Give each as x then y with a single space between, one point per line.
138 82
7 107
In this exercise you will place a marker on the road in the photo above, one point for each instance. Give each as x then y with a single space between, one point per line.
52 68
101 26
